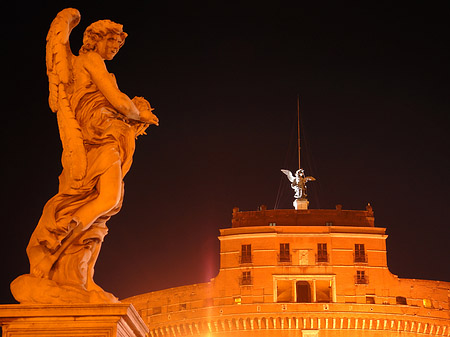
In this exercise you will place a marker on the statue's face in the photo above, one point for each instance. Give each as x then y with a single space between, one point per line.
109 46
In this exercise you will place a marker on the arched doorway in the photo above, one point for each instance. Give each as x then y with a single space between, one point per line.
303 292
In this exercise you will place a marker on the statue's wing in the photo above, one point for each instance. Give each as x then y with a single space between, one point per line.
59 60
58 53
289 175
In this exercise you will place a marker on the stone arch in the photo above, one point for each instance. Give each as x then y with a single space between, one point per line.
169 330
264 323
227 325
287 323
185 329
256 323
241 324
234 324
219 326
197 327
279 323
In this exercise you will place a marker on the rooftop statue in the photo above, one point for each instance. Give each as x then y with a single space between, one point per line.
98 125
298 182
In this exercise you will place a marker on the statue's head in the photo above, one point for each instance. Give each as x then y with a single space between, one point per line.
100 31
300 173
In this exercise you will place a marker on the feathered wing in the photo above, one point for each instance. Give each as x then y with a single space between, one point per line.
289 175
59 60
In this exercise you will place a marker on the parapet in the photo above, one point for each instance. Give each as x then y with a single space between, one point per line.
309 217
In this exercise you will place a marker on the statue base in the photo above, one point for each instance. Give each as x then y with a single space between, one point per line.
87 320
301 204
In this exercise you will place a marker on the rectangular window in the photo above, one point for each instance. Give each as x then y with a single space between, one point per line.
246 278
285 255
360 253
400 300
361 277
322 253
246 254
370 300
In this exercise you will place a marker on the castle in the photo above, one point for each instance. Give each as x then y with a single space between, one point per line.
305 272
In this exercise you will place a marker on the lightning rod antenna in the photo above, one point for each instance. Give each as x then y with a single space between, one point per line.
298 129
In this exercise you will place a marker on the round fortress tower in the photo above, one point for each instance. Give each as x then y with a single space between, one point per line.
300 273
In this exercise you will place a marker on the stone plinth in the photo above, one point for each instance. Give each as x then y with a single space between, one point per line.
83 320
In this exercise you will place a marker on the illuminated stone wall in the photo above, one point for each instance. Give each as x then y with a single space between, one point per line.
301 273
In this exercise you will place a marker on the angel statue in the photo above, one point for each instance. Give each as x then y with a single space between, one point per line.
98 125
298 182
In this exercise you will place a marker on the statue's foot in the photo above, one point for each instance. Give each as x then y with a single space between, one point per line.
29 289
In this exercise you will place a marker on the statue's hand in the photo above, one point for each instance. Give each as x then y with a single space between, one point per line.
147 116
145 111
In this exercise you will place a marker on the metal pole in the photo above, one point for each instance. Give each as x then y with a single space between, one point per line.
298 129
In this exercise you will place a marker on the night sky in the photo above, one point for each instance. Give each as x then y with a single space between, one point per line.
374 100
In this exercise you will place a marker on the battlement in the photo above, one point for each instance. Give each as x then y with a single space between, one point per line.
309 217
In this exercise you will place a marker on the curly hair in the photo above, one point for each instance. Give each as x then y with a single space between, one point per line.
97 31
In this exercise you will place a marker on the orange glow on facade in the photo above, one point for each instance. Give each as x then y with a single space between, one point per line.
300 273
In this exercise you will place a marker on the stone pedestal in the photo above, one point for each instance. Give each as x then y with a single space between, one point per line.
83 320
301 204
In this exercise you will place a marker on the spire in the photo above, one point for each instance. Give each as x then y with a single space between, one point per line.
299 180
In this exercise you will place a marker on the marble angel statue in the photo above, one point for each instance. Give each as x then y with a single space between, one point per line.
98 125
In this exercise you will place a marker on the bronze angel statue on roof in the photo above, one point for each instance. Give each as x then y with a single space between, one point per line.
298 182
98 125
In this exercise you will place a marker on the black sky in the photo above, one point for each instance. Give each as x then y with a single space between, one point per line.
374 95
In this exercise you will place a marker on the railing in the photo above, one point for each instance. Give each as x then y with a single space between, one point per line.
360 257
285 258
363 279
323 257
245 259
246 281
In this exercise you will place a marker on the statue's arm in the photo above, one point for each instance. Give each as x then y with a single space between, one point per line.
96 68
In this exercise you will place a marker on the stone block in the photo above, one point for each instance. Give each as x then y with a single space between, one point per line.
83 320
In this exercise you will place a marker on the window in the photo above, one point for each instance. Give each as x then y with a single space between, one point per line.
183 306
360 253
400 300
285 255
156 310
246 278
361 277
246 254
370 300
427 303
322 254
